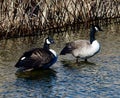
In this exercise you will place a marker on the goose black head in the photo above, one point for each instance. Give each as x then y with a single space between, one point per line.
48 41
96 28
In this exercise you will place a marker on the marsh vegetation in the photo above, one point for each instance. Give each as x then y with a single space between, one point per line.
31 17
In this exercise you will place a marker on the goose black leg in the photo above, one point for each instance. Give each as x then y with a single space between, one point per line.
86 60
77 59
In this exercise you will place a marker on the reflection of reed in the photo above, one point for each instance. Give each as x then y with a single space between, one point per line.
25 17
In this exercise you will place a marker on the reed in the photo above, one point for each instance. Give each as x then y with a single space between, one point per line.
29 17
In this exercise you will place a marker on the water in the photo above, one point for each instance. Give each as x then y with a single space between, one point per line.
99 78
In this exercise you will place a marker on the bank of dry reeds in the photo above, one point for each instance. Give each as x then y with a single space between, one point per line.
28 17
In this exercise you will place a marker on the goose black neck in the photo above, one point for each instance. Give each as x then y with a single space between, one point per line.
92 35
46 46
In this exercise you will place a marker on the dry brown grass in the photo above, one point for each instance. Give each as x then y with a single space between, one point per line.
26 17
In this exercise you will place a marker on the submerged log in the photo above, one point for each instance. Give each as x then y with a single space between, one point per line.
25 17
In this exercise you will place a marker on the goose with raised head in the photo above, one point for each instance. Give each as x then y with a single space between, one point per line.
83 48
38 57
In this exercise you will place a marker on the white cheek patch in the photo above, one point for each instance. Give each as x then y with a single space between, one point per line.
23 58
96 29
48 42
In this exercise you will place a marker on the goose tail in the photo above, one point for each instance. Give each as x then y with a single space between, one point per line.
23 62
65 50
19 64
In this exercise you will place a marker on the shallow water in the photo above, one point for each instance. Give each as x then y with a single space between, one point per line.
99 78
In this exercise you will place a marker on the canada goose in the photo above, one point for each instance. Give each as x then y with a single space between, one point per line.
38 57
83 48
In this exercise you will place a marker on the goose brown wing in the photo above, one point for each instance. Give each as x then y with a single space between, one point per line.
41 56
34 58
81 43
77 44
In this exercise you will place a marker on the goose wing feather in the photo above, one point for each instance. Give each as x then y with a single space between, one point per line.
35 58
41 55
78 44
81 43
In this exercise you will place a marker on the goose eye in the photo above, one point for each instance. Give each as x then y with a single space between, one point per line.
52 41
